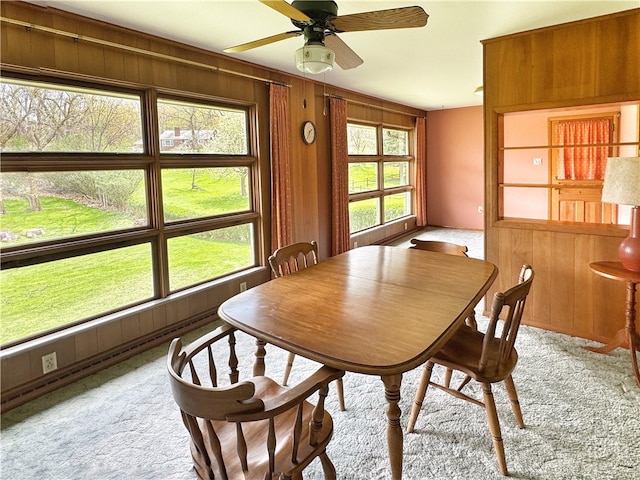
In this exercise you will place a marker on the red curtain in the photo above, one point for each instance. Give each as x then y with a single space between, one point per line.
281 211
583 163
340 241
421 172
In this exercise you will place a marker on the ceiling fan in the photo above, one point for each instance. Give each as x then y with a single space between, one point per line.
320 24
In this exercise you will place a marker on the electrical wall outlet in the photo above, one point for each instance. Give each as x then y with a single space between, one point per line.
355 244
480 209
405 225
49 362
537 161
243 286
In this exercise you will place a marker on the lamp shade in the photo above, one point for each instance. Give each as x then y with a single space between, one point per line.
314 59
622 181
622 186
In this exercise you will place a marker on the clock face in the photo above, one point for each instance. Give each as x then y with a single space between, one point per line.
308 132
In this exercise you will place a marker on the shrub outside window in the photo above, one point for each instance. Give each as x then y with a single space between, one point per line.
380 187
201 256
397 206
364 214
80 185
42 206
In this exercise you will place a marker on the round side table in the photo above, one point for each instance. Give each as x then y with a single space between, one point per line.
627 336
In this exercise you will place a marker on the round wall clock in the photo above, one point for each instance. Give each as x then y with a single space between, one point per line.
308 132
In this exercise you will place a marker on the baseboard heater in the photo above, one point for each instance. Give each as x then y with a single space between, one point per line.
65 376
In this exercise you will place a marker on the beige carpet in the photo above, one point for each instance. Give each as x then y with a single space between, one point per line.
582 412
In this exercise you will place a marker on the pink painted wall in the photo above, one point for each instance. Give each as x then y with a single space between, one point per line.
455 164
455 168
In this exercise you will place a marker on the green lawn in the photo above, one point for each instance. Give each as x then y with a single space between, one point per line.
59 217
44 296
40 297
212 195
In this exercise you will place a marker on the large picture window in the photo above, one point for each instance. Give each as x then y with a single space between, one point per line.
380 165
101 209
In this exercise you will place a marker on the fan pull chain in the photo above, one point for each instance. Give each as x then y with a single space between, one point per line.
325 99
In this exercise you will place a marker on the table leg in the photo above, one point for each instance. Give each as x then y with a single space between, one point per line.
634 342
632 334
627 336
394 432
620 339
258 365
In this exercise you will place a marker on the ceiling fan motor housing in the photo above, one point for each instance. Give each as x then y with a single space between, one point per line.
318 10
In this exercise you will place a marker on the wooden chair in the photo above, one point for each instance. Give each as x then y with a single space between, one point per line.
254 429
442 247
487 358
290 259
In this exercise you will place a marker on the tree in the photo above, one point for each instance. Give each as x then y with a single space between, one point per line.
54 114
23 185
112 188
110 124
362 140
35 119
15 108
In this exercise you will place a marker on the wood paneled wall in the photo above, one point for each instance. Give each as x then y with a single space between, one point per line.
581 63
94 345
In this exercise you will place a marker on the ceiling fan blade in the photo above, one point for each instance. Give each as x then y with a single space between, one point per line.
346 58
406 17
263 41
287 10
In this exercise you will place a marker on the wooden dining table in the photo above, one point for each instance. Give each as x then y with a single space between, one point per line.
374 310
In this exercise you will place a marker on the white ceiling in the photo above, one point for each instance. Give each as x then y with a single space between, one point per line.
434 67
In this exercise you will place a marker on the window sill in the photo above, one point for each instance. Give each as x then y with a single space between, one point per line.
564 227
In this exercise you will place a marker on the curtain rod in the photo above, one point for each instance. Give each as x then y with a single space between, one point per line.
385 109
77 37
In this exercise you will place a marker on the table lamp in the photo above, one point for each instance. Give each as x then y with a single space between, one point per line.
622 186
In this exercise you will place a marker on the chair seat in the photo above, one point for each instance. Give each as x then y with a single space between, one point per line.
256 436
463 351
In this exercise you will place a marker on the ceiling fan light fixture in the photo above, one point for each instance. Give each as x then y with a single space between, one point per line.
314 59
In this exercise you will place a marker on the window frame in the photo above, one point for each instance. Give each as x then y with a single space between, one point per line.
380 159
151 161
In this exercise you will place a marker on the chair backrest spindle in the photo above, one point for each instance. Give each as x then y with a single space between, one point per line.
511 305
294 257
